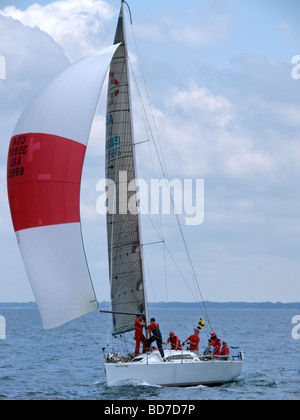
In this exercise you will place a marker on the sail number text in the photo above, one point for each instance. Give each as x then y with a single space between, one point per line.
17 150
113 149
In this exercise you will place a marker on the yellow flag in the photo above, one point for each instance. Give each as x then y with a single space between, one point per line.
201 323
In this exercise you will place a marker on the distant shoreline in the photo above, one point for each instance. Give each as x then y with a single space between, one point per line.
184 305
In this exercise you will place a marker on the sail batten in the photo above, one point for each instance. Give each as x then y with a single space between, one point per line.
44 170
123 232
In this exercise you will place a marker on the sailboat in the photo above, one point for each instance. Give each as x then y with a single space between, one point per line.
45 163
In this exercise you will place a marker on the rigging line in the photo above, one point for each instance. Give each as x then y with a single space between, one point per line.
153 243
148 95
144 109
150 129
130 15
159 216
141 142
164 171
166 280
194 276
175 263
171 198
187 284
149 277
91 334
180 272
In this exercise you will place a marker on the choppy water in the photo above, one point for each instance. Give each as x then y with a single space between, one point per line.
67 362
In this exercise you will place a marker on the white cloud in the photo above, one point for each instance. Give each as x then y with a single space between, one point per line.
204 132
202 104
249 162
204 32
32 58
78 27
206 24
285 28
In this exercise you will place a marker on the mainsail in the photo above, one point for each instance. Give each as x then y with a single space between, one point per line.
123 233
44 170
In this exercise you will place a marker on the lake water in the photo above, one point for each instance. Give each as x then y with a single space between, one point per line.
67 362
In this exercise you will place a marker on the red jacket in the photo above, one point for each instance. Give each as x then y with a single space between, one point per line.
153 326
224 351
216 342
174 342
138 326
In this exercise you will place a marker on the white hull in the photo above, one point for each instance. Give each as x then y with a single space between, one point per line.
185 372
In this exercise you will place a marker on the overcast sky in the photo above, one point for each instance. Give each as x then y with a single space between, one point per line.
227 108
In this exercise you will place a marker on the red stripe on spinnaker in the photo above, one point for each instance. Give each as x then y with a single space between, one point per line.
43 180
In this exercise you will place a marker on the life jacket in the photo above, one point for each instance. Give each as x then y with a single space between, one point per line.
216 342
217 351
224 351
174 341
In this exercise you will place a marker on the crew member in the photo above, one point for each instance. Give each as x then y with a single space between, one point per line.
174 340
216 343
194 341
156 336
139 336
224 351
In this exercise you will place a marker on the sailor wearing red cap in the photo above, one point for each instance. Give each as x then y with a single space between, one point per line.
174 340
194 341
224 351
216 343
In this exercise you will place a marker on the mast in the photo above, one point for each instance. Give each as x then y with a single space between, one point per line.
123 228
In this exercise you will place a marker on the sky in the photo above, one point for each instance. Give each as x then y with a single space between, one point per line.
225 96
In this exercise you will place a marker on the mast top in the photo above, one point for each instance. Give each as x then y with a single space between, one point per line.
130 15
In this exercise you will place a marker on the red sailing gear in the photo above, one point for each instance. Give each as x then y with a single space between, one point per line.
216 344
139 336
217 347
153 326
156 336
217 351
175 342
224 351
194 342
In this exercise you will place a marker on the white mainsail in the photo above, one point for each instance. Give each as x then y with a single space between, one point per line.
123 232
44 170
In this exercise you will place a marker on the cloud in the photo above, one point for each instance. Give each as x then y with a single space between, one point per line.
206 32
32 58
78 27
206 24
205 133
285 28
199 101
